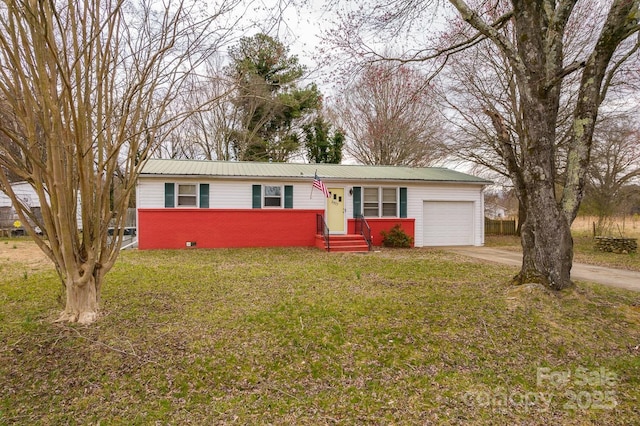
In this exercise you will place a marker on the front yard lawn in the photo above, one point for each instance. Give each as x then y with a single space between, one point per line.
299 336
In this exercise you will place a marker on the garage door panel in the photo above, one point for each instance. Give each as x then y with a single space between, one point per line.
448 223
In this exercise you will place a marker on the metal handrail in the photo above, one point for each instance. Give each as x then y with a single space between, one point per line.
363 228
322 228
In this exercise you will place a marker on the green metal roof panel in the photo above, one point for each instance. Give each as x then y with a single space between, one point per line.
295 170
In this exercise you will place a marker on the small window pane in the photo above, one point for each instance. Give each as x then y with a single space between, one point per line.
389 210
187 190
272 191
388 195
371 195
370 205
371 211
272 202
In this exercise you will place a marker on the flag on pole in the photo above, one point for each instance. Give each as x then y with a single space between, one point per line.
318 184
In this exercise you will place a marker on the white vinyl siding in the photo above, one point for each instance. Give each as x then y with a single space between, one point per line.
229 194
150 193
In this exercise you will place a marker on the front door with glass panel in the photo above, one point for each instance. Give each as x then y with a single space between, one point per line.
335 210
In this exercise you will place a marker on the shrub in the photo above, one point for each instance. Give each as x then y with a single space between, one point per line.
396 237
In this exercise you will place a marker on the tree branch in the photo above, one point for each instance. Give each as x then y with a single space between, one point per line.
571 68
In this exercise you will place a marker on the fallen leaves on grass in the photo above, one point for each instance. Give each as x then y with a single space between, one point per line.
297 336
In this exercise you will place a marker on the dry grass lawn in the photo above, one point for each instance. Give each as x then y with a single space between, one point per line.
299 336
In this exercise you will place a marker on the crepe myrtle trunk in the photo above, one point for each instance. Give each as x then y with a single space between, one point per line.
82 302
82 295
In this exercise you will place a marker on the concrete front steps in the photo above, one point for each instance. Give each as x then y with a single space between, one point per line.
343 243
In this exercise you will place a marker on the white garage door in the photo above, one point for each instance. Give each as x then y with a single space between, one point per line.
448 223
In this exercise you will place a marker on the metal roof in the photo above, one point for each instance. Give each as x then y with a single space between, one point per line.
192 168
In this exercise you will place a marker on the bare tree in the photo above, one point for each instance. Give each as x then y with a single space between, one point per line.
208 132
538 62
389 117
481 83
536 55
87 92
615 165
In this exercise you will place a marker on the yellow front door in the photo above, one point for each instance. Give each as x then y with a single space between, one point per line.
335 210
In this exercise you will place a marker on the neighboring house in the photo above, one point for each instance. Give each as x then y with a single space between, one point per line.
495 211
185 203
25 192
8 215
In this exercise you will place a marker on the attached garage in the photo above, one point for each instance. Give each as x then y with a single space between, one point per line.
448 223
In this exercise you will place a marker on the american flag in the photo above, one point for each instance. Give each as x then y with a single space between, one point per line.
318 184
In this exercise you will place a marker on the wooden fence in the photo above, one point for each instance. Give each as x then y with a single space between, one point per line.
499 227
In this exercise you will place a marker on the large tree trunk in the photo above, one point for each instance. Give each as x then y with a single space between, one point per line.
546 233
547 247
82 301
547 244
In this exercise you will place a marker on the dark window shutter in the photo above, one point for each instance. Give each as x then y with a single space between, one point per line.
169 195
288 196
357 201
403 202
257 196
204 195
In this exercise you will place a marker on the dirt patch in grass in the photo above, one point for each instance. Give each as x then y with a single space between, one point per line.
22 251
21 255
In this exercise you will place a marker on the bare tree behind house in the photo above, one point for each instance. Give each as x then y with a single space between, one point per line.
389 117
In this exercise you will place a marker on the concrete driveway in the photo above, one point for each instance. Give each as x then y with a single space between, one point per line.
621 278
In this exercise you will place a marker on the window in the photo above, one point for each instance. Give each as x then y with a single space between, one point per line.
389 202
380 202
187 195
272 196
370 202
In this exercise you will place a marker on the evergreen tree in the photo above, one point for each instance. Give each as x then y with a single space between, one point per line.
272 105
321 145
